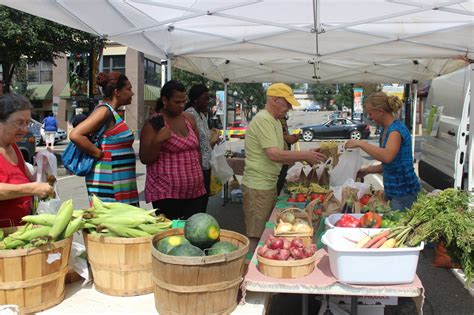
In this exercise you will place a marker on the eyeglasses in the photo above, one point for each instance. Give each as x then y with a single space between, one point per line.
19 124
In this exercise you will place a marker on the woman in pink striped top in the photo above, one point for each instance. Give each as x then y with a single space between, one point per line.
169 146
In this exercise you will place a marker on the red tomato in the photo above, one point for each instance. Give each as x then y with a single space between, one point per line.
321 197
365 199
300 198
291 200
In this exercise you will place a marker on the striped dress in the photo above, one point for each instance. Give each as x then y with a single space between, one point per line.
113 178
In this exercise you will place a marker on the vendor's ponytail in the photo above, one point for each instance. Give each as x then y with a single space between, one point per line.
382 101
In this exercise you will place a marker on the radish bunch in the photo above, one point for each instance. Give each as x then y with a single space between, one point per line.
280 248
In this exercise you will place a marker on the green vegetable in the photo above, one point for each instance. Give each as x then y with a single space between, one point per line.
444 217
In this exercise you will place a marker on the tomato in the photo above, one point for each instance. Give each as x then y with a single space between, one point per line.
300 197
318 212
291 199
321 197
371 220
365 199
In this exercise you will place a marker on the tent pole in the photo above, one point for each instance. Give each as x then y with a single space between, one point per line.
226 85
168 70
413 117
163 72
470 156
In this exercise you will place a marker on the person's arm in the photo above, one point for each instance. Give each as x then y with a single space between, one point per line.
286 157
372 169
384 155
80 134
291 139
192 120
150 143
12 191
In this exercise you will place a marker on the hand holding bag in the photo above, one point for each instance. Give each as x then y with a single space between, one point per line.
80 163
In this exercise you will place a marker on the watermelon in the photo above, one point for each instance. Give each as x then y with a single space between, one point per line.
186 250
202 230
221 248
166 244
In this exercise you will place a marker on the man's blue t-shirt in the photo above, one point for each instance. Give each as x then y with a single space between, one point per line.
50 124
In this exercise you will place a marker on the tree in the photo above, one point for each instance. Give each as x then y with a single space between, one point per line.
248 94
36 39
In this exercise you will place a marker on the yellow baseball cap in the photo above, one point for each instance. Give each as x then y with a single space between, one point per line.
282 90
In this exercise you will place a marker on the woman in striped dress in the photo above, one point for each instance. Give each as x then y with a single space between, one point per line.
113 178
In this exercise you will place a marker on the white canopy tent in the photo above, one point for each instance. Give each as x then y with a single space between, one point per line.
282 40
380 41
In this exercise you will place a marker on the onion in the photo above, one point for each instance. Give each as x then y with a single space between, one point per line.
288 216
286 243
284 254
262 250
297 243
297 253
276 243
270 254
283 227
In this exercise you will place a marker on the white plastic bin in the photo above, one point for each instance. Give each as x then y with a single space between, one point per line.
365 265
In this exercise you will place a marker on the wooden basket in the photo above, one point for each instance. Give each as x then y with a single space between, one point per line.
120 266
286 269
300 214
199 285
33 279
310 208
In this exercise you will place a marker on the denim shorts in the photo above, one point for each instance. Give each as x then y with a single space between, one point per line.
402 203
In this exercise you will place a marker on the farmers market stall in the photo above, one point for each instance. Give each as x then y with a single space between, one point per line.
321 280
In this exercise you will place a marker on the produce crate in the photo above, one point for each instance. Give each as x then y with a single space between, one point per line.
378 266
120 266
34 279
199 285
299 205
286 269
299 214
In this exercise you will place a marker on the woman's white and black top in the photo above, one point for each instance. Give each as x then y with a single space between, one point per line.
204 137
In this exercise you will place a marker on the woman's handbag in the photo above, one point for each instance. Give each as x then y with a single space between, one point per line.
80 163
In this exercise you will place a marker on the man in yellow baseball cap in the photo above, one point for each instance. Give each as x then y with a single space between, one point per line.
264 156
284 91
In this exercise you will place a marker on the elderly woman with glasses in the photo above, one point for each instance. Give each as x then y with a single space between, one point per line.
16 188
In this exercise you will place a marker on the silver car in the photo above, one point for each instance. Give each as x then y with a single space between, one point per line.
38 132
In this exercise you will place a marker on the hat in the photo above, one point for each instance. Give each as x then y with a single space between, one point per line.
282 90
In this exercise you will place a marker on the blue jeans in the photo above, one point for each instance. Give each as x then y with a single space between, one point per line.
402 203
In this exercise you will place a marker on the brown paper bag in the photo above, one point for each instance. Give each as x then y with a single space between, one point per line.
331 205
324 179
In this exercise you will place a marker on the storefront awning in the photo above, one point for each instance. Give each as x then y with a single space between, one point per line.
41 91
65 93
152 93
115 50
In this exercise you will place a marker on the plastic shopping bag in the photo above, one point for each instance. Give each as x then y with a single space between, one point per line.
47 164
348 166
49 205
77 258
219 165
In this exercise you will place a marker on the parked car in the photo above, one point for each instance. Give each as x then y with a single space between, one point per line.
313 108
336 128
237 129
27 146
38 132
335 114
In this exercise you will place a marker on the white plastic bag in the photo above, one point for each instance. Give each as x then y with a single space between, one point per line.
348 166
51 205
47 164
77 260
220 167
294 172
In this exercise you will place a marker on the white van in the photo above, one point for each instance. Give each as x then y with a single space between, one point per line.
445 159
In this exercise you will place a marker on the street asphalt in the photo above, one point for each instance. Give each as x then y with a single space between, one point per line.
444 293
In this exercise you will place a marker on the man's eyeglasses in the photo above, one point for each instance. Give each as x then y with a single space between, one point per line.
19 124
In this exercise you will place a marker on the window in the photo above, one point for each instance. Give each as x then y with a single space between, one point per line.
152 72
114 63
42 72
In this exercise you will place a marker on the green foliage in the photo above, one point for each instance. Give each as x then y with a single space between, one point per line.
444 217
323 93
36 39
247 93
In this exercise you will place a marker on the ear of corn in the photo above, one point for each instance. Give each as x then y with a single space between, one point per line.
11 243
124 231
128 221
155 228
73 226
29 235
40 219
62 219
